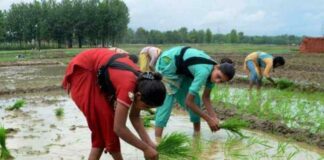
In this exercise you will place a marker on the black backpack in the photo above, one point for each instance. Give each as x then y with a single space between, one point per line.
103 78
182 66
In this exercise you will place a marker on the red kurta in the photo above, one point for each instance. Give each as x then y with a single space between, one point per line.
81 81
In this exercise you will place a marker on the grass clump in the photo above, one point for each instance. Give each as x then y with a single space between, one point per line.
234 125
175 146
18 104
59 112
5 154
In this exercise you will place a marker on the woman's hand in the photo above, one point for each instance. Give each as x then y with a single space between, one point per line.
213 123
150 153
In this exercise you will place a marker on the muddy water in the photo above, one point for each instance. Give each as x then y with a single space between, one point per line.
24 77
39 134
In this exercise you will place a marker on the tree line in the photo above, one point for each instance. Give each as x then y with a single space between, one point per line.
64 23
71 23
183 35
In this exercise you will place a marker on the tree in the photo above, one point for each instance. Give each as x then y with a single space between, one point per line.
118 20
183 33
240 37
80 24
67 20
209 36
233 36
2 26
141 35
92 21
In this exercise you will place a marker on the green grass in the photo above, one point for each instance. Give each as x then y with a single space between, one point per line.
59 112
175 146
18 105
5 154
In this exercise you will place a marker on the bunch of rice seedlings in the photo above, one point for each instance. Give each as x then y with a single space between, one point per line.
234 125
5 154
147 121
284 84
18 104
175 146
59 112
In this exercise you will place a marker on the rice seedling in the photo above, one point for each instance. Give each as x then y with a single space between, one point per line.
293 154
175 146
18 104
59 112
234 125
254 140
5 154
281 148
233 148
294 109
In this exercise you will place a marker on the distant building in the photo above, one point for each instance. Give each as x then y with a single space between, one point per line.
312 45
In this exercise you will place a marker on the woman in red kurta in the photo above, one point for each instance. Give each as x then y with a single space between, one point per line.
106 121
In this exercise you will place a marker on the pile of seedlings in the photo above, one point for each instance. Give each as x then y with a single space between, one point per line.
4 154
234 125
175 146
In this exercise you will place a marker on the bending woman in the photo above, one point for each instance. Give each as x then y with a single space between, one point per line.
121 89
185 71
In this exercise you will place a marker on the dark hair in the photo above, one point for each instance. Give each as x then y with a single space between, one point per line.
228 70
278 61
133 57
152 89
226 60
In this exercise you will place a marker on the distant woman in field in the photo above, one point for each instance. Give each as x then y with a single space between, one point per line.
148 57
185 71
106 86
255 62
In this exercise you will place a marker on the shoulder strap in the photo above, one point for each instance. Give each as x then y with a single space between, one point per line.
198 60
179 60
182 65
104 79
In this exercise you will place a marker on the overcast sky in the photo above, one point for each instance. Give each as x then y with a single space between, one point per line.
253 17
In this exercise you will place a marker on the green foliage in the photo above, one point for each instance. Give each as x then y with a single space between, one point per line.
5 154
18 104
175 146
63 22
59 112
234 125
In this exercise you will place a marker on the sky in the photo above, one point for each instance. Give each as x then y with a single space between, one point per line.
253 17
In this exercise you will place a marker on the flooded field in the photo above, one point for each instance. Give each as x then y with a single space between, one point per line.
29 77
37 133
